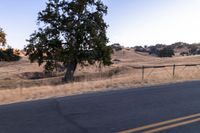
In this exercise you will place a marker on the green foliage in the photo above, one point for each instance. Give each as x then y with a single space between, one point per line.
8 55
2 37
161 50
193 49
166 52
116 47
140 49
71 32
153 50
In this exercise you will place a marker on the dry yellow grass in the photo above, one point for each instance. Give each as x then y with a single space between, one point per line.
15 88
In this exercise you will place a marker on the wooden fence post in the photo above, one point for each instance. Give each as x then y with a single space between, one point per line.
142 72
174 69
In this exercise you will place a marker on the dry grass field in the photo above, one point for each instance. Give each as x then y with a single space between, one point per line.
19 80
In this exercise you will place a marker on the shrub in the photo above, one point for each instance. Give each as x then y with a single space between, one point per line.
193 50
166 52
140 49
153 50
8 55
116 47
184 53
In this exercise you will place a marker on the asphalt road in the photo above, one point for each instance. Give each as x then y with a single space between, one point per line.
107 112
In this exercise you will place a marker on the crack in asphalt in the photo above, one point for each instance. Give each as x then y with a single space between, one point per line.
67 118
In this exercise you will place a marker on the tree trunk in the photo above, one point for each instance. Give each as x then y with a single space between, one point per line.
69 75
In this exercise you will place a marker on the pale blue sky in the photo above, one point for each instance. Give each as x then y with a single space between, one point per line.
131 22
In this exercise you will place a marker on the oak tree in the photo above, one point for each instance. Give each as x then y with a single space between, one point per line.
71 32
2 37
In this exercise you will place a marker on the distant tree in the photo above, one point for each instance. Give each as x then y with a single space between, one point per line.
166 52
72 32
116 47
159 46
184 53
153 50
198 51
8 55
140 49
2 37
193 49
179 45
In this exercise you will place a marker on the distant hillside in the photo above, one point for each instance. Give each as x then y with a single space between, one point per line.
178 49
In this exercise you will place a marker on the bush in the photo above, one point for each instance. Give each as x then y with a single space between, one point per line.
140 49
166 52
116 47
153 51
193 50
8 55
184 54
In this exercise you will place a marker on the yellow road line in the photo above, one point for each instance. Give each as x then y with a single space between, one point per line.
172 126
159 124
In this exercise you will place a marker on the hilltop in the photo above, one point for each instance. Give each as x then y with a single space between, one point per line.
178 49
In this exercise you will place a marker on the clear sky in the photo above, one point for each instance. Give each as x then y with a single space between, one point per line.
131 22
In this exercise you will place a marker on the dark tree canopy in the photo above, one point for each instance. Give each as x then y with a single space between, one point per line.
6 54
2 37
72 32
9 54
166 52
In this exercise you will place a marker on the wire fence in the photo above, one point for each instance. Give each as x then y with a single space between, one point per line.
16 89
173 67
